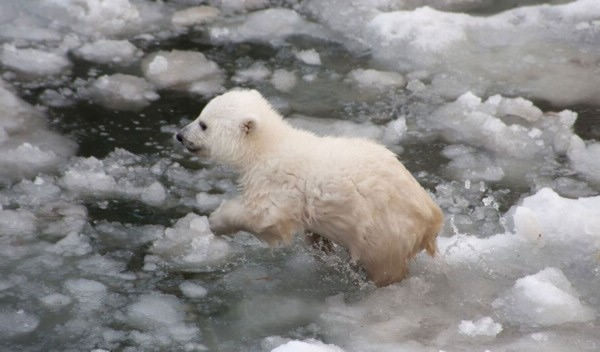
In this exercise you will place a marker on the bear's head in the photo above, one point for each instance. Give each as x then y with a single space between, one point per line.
231 128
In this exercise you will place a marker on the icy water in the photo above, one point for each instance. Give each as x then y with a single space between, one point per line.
494 106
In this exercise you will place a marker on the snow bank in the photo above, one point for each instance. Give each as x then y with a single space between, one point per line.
546 298
106 51
183 70
122 92
189 245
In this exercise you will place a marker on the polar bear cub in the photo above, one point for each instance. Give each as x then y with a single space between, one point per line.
351 191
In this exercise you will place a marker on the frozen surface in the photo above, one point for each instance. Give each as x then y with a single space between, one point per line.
104 240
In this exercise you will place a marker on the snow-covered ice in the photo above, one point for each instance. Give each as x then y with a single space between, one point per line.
195 16
33 62
106 51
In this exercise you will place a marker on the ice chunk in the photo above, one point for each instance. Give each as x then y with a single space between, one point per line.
271 25
192 290
33 62
17 322
377 80
74 244
88 176
309 57
56 300
155 194
183 70
17 222
163 316
585 158
283 80
98 17
242 5
207 202
310 345
89 294
485 326
255 73
546 298
190 245
107 51
122 92
193 16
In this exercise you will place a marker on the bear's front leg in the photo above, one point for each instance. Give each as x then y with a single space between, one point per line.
228 218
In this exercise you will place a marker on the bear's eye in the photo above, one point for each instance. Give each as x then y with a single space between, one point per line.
202 125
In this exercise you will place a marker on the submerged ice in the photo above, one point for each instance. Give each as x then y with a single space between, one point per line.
104 238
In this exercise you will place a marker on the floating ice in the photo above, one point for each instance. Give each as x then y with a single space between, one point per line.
33 62
309 57
163 317
97 17
190 245
241 5
389 134
89 294
377 80
482 327
183 70
207 202
506 52
56 300
114 176
309 345
122 92
17 322
192 290
193 16
546 298
585 158
106 51
271 25
283 80
255 73
17 222
26 146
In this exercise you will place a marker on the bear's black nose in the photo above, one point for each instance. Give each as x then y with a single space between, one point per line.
179 137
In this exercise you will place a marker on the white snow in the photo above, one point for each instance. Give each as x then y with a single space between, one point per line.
190 245
107 51
546 298
122 92
194 16
33 62
183 70
482 327
309 57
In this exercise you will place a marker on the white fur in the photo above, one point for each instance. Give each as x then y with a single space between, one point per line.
351 191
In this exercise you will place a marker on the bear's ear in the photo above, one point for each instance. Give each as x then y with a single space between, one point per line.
248 125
